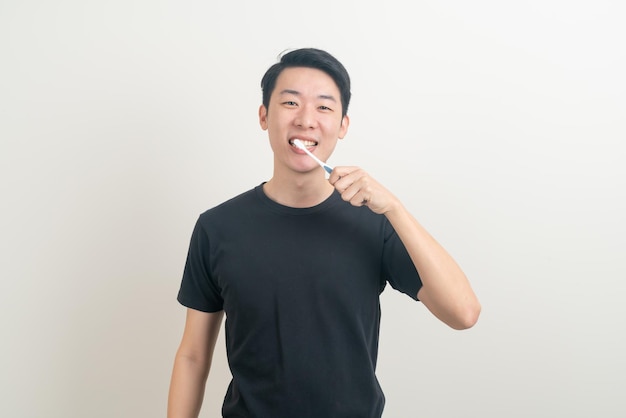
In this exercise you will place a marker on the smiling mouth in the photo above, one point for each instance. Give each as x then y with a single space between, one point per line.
306 143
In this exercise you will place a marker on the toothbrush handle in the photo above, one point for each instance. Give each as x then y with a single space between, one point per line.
320 162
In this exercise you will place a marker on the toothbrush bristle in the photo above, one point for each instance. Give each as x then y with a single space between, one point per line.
299 144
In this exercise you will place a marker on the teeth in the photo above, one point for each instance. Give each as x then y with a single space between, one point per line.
306 143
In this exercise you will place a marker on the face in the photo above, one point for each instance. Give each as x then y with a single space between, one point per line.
305 105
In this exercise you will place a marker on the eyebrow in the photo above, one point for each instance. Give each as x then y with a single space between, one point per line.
297 93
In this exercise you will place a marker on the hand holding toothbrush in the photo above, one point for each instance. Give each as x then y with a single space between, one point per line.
360 189
356 186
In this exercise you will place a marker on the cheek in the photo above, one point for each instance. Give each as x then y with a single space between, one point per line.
276 120
333 128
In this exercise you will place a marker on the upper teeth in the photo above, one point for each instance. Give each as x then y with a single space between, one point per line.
306 143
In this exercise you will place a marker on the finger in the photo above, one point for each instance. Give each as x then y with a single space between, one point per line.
359 200
336 175
343 183
339 173
357 193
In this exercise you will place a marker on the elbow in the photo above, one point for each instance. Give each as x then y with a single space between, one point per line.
458 313
468 318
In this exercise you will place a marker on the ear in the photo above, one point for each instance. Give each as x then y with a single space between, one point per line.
343 129
263 117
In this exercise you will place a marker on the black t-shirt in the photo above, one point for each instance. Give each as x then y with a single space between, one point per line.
300 289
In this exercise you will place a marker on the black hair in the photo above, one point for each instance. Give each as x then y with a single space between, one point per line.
310 58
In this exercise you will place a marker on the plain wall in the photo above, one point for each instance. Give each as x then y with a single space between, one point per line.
501 126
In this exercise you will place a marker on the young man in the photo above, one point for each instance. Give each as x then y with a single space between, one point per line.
298 263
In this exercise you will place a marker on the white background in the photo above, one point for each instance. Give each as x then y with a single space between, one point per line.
501 125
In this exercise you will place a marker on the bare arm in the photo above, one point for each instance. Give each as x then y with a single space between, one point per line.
446 292
192 363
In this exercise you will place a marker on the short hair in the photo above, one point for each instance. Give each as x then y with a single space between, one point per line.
309 58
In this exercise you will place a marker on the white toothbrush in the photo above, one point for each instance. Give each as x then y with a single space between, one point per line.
300 145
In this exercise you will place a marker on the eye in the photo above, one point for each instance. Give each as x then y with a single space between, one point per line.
326 108
290 103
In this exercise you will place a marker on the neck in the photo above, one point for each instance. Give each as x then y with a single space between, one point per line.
299 190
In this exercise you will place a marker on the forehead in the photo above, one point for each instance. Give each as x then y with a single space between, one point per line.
306 81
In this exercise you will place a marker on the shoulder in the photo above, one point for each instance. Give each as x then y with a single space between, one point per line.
234 204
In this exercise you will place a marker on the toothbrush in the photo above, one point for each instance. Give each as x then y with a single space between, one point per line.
300 145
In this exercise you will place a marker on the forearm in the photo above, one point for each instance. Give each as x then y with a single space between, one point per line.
187 387
446 292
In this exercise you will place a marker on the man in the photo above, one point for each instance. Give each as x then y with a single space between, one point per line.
298 264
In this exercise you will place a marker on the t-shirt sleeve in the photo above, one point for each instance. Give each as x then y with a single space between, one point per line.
398 267
198 289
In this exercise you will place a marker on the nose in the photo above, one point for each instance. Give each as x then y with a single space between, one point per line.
306 118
